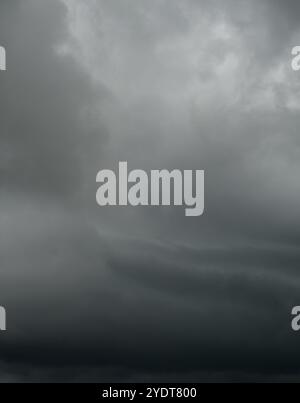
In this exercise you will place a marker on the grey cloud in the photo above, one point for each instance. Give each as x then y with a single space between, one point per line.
147 294
43 140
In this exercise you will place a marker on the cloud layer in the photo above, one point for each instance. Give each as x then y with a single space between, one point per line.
146 293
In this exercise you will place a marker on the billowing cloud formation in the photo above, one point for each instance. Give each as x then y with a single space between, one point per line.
146 293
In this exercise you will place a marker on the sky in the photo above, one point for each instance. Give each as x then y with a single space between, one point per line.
135 294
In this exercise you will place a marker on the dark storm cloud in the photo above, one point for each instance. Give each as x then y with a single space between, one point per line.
200 88
147 308
43 98
146 294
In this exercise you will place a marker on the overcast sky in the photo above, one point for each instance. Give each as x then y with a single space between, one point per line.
141 294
